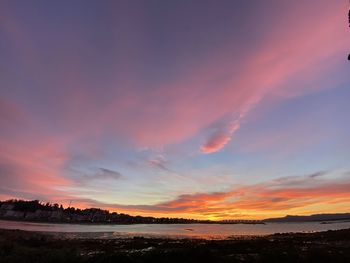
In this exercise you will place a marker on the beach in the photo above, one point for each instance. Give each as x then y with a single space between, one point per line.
29 246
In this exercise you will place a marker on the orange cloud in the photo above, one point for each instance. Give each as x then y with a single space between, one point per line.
295 194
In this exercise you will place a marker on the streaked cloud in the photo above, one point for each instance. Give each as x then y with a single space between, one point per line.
278 197
159 162
103 174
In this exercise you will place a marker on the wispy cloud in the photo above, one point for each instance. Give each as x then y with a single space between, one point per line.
159 162
101 174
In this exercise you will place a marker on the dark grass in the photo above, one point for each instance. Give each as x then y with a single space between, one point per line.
21 246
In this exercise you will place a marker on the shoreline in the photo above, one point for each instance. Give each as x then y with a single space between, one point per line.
135 223
194 223
122 236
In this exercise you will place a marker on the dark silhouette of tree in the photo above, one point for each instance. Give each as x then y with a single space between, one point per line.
95 215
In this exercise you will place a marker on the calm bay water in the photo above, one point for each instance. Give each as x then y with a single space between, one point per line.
172 230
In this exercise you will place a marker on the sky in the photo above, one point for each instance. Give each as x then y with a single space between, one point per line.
196 109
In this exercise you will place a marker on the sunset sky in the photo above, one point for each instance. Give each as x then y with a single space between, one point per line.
196 109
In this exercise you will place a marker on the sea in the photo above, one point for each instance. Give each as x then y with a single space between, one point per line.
206 231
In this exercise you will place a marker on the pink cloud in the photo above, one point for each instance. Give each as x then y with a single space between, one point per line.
207 89
216 143
30 165
300 57
219 139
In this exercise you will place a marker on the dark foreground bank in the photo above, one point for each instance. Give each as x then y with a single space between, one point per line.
22 246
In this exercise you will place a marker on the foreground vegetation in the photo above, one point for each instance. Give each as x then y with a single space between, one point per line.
21 246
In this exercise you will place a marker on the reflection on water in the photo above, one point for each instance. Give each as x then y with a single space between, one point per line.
173 230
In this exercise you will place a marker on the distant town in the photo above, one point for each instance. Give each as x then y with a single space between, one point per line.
36 211
46 212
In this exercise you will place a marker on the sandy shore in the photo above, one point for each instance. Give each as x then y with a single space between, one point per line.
23 246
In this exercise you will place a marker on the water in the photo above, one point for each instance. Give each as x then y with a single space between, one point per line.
173 230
